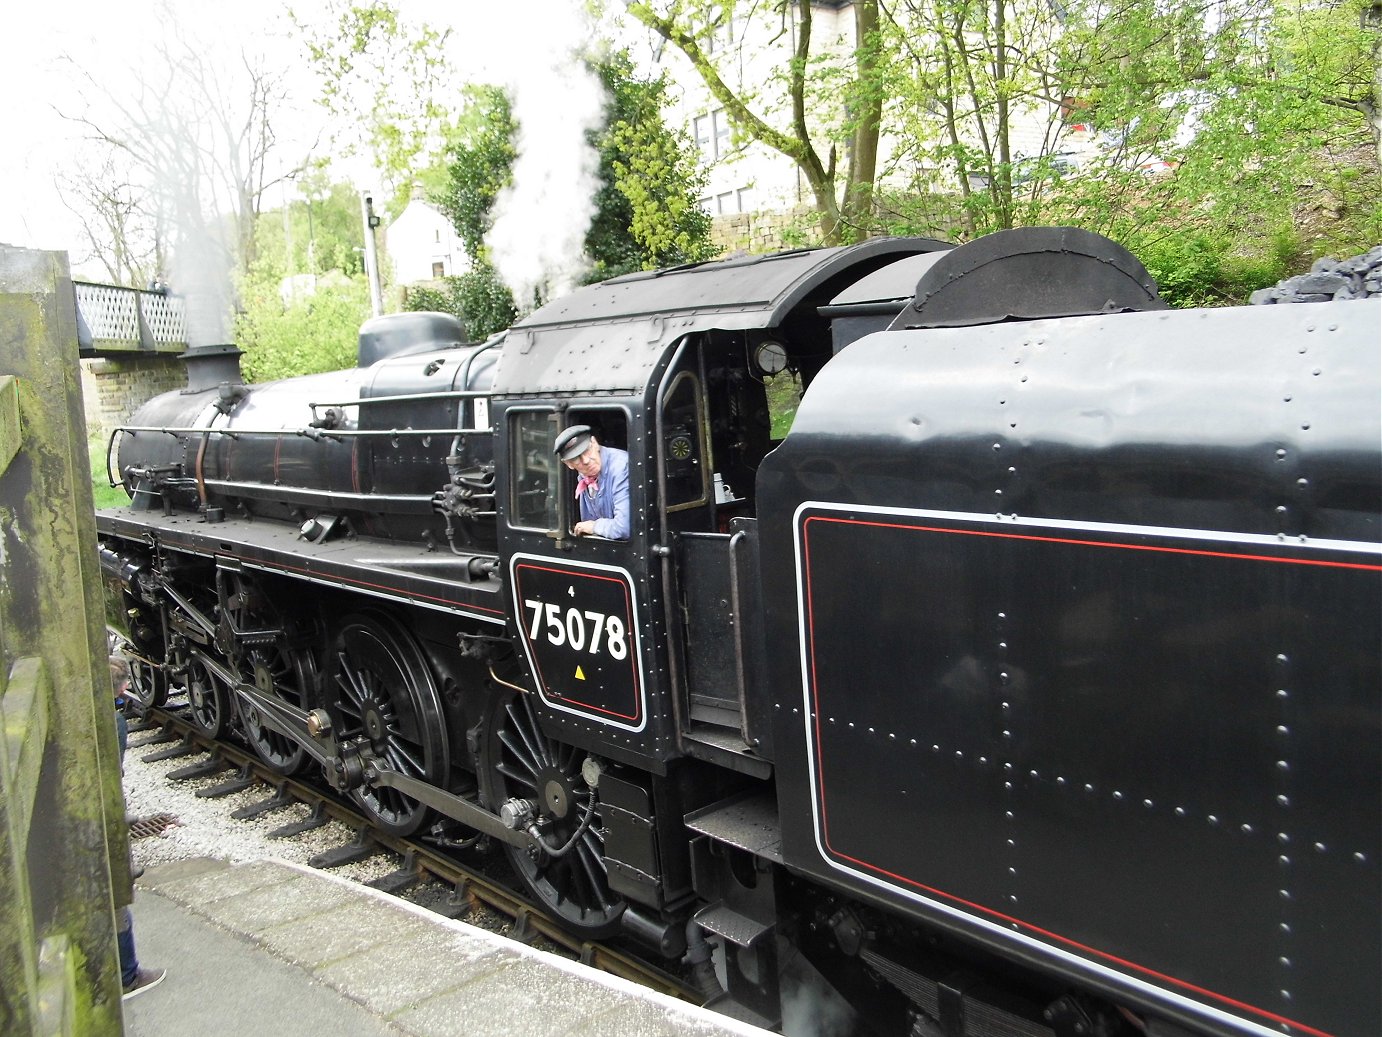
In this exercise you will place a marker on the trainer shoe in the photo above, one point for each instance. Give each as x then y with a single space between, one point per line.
145 979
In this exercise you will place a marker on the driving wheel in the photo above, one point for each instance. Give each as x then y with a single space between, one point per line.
208 702
519 762
272 655
384 699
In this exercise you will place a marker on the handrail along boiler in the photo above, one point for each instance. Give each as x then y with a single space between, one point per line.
1028 685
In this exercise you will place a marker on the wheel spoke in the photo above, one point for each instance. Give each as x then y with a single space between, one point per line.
524 779
348 680
525 727
281 669
404 761
524 759
384 696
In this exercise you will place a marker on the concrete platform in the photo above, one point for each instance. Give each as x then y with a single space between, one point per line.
276 948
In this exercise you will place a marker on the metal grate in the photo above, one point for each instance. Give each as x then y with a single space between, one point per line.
144 827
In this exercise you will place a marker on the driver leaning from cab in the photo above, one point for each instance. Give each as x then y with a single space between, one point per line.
602 483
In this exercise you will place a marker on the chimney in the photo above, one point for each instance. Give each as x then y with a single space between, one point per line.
209 366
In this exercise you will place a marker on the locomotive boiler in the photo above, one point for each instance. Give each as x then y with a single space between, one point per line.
1028 685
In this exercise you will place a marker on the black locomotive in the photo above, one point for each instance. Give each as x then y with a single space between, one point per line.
1029 685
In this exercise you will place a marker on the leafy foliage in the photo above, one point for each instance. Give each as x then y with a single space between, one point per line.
647 213
305 297
477 298
479 164
814 106
388 82
646 205
320 232
1216 133
317 333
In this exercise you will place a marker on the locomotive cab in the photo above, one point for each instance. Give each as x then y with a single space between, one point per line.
624 638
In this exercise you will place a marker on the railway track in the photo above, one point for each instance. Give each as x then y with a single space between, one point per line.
162 733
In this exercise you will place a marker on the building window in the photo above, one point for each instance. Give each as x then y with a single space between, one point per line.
721 123
720 31
704 138
728 202
439 269
712 134
437 235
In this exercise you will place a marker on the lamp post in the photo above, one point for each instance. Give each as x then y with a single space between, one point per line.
376 292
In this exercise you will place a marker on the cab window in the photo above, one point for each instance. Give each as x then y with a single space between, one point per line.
683 444
537 480
535 473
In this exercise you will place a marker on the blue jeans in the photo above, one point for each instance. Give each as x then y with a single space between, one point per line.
124 921
124 942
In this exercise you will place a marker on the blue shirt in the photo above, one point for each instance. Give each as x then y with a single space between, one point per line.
609 506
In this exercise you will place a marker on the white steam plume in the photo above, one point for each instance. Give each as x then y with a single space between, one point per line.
541 220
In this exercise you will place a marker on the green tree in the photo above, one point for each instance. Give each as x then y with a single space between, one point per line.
305 297
647 214
1217 129
318 332
388 82
314 234
481 301
479 164
816 104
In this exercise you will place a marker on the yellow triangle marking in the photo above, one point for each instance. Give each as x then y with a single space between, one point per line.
580 674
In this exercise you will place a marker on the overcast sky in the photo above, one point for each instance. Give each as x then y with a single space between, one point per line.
492 42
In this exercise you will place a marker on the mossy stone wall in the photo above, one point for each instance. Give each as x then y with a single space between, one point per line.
63 840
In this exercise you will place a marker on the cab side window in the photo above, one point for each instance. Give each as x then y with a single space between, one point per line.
535 474
683 444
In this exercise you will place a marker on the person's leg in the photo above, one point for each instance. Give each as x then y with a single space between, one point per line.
124 940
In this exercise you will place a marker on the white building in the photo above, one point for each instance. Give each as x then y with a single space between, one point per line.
422 244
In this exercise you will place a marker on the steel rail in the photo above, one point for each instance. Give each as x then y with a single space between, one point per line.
429 862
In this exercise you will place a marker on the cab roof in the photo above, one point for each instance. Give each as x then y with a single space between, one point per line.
611 336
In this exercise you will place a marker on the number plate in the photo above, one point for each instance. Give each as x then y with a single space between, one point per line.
579 629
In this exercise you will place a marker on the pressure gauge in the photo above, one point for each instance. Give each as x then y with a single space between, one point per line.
771 357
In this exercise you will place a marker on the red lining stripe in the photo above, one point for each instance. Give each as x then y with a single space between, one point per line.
1201 552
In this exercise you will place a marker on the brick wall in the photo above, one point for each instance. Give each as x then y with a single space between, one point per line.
113 389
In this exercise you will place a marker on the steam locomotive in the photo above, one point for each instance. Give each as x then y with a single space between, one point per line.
1028 685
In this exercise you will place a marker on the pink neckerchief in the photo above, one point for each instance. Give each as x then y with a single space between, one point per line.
583 482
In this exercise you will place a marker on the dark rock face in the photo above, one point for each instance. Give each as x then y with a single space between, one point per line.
1358 277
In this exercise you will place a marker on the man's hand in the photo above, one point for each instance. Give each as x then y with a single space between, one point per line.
584 529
